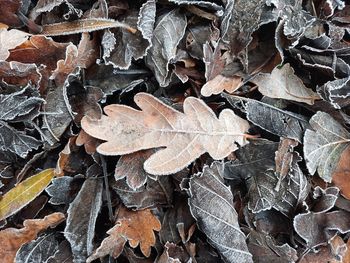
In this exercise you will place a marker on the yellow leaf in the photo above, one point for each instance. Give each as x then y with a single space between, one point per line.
24 193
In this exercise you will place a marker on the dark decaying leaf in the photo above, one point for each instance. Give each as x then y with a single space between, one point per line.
173 253
38 250
16 141
63 254
265 249
324 144
337 92
318 228
130 166
81 219
58 113
272 119
240 20
255 165
175 217
17 73
121 45
156 192
169 30
210 202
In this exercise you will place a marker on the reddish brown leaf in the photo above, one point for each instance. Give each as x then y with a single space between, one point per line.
341 174
219 84
11 239
134 226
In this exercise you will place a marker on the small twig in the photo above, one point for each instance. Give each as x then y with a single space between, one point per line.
108 194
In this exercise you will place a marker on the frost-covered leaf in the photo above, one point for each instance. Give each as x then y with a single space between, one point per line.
130 166
240 20
324 145
121 45
186 135
337 92
81 219
205 4
154 192
22 105
221 83
265 249
318 228
134 226
25 192
16 141
11 239
59 190
210 202
255 165
168 32
10 39
284 84
38 250
272 119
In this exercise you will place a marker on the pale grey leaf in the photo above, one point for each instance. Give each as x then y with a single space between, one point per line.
38 250
210 202
22 105
324 144
168 31
82 215
282 83
16 141
146 20
59 190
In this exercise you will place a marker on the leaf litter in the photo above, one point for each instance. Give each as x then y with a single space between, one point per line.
174 131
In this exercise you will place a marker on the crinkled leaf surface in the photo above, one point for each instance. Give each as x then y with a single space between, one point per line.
25 192
210 202
81 219
186 135
324 144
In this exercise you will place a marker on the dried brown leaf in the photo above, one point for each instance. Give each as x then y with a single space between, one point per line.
81 26
186 135
11 239
134 226
219 84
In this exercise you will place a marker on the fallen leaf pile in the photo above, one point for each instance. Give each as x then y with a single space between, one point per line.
175 131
